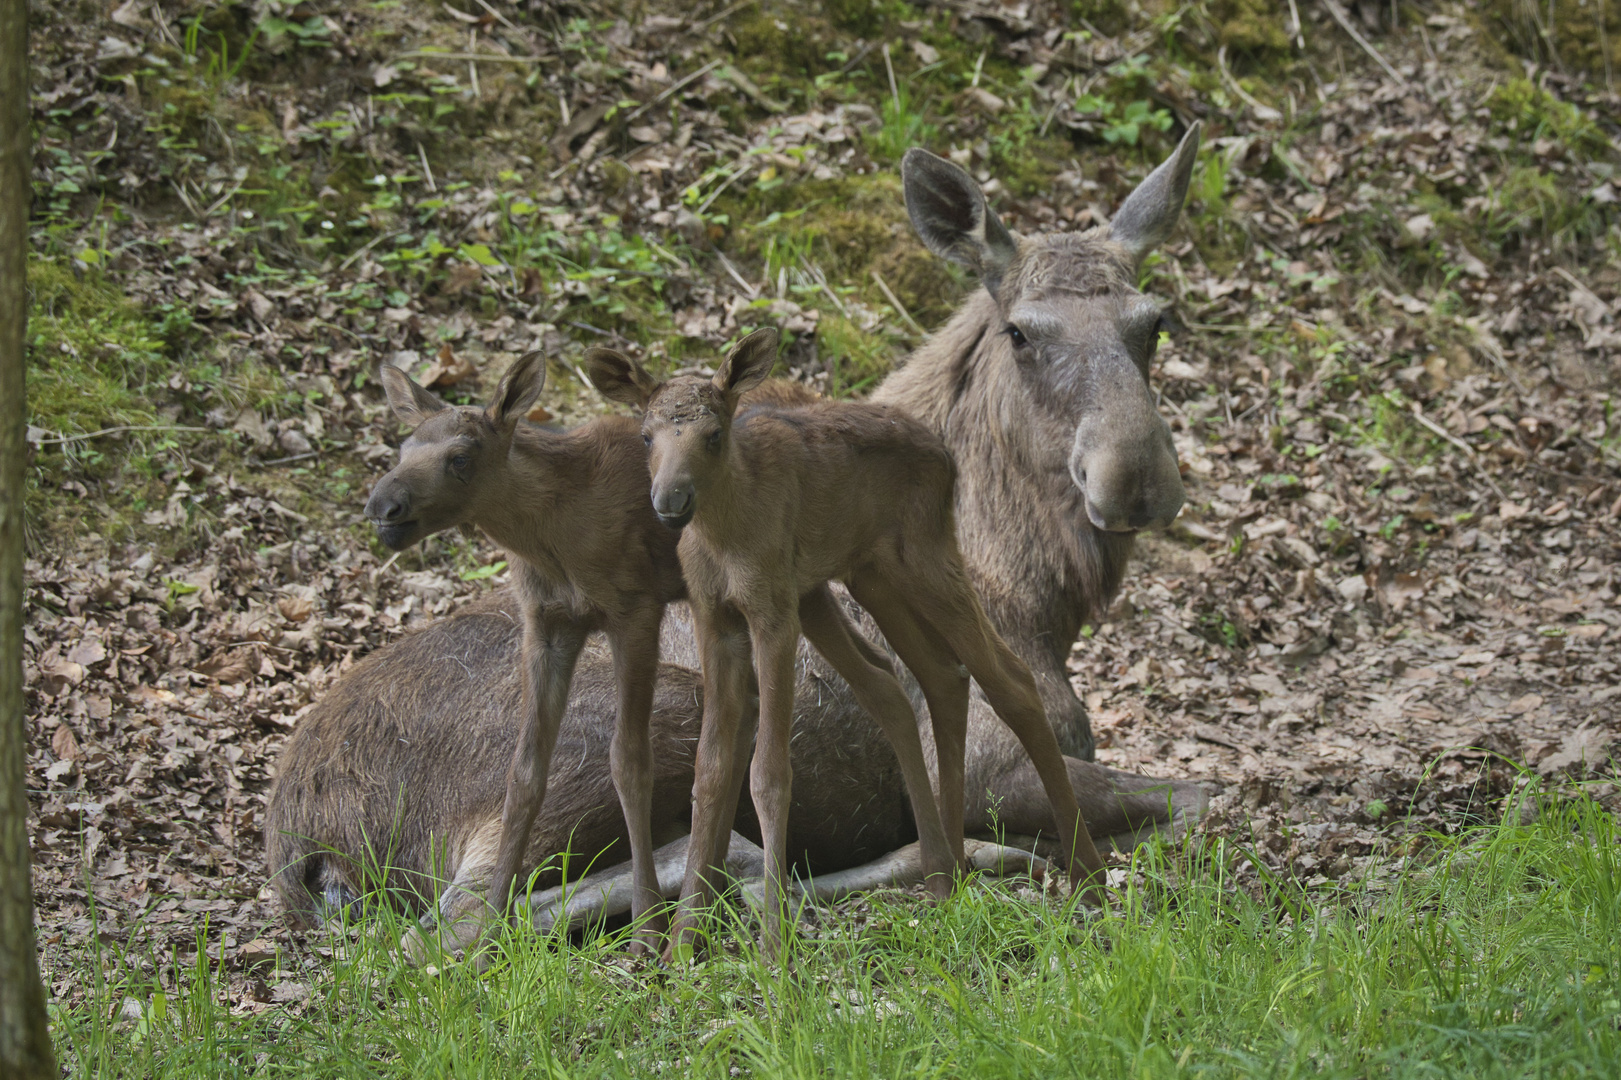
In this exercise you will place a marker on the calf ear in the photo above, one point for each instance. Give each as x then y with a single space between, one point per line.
410 402
1148 215
747 365
518 390
949 212
619 378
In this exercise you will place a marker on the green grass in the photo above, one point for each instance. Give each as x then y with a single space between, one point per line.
1496 954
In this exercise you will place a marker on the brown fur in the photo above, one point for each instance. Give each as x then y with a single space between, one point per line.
780 504
573 510
406 753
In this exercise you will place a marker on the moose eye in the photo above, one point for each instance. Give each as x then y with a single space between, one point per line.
1019 340
714 439
647 441
460 462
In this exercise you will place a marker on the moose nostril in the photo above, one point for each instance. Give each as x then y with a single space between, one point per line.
387 510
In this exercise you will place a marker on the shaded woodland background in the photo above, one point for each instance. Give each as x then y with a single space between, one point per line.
1391 598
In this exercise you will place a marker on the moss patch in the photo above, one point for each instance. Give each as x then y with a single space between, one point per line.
1253 26
91 353
1582 37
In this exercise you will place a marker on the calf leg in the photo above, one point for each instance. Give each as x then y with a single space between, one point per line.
635 644
551 646
878 692
945 689
723 651
776 642
943 599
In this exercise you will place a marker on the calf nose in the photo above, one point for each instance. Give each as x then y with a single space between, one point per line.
674 504
386 508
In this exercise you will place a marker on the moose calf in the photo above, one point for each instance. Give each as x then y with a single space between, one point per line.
775 506
590 554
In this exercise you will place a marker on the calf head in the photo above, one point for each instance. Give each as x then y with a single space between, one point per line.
454 462
1077 333
686 421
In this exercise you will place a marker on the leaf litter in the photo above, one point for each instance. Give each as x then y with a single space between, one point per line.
1393 585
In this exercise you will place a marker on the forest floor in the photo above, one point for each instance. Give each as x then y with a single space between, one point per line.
1389 606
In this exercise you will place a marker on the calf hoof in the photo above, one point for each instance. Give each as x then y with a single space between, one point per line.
686 945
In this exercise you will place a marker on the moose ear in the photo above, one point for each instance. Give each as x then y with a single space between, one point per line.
1148 215
410 402
949 212
748 364
619 378
518 390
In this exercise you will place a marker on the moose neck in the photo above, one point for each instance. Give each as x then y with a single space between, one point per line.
527 513
1041 569
724 503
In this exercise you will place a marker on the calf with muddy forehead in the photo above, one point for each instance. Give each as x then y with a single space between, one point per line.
776 503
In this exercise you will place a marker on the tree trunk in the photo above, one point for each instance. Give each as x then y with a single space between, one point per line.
25 1044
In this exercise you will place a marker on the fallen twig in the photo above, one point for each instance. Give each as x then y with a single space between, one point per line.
700 73
293 458
1344 20
1264 113
713 19
56 439
894 302
493 58
1431 425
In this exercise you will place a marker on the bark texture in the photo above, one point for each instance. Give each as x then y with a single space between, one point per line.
25 1042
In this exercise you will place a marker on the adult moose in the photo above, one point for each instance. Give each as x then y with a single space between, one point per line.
1039 386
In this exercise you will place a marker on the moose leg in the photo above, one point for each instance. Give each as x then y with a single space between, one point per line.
771 777
723 650
635 644
606 893
878 692
551 646
945 689
1120 808
946 601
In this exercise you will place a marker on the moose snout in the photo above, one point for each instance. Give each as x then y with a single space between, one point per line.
674 504
389 511
1129 478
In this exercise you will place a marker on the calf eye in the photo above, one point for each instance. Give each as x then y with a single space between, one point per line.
460 462
1018 337
714 439
647 441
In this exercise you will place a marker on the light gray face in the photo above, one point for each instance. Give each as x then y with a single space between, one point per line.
1084 361
1079 333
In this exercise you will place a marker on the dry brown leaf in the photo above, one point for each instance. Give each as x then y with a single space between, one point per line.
231 665
447 368
88 651
64 744
295 609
